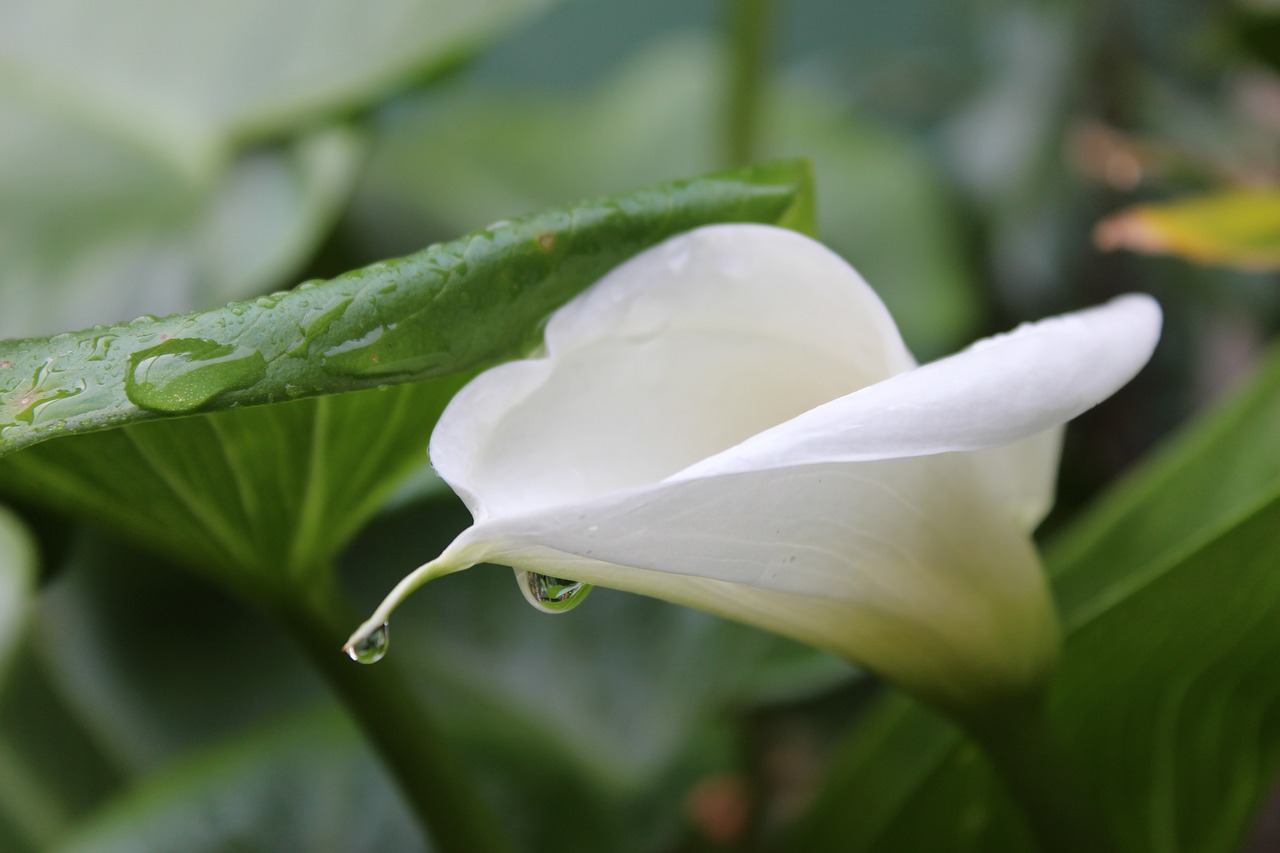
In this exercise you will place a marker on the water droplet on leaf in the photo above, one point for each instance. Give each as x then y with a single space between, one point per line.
550 594
372 648
37 405
361 344
183 374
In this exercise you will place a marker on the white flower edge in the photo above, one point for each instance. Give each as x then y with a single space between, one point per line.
915 493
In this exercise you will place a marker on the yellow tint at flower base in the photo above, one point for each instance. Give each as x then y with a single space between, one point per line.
1239 228
731 421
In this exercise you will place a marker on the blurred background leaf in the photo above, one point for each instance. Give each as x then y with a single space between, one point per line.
103 231
1237 228
236 70
303 784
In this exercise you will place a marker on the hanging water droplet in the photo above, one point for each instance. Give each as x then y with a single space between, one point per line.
372 648
551 594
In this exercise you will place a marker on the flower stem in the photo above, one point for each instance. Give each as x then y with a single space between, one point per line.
748 35
1038 772
432 779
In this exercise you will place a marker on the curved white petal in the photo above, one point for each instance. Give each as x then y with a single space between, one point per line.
998 391
916 574
681 352
1023 476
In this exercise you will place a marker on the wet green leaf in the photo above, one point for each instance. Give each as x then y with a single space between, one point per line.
446 309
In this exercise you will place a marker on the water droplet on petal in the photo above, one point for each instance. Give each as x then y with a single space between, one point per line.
372 648
551 594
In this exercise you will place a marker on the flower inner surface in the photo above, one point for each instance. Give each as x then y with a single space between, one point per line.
682 352
621 414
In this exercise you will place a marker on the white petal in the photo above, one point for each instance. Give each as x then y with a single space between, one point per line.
681 352
899 564
997 392
1023 476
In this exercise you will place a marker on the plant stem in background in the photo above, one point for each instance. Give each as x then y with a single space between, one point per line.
748 37
1028 756
431 777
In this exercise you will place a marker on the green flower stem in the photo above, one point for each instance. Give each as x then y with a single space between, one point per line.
431 777
1039 773
748 37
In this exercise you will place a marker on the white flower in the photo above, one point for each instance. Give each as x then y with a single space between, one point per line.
730 420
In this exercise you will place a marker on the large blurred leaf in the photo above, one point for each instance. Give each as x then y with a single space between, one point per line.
1239 228
53 767
305 784
202 72
1167 694
94 227
457 161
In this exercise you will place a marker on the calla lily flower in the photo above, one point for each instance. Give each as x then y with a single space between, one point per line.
730 420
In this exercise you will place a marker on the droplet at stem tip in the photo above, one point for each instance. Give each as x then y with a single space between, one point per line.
426 572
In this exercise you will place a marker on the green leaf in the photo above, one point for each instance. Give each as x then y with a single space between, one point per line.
304 784
1239 228
53 768
1167 693
446 309
248 494
158 661
462 158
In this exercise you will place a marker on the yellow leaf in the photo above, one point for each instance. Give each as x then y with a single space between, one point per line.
1239 228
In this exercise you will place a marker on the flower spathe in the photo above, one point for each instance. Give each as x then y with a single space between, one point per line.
731 421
